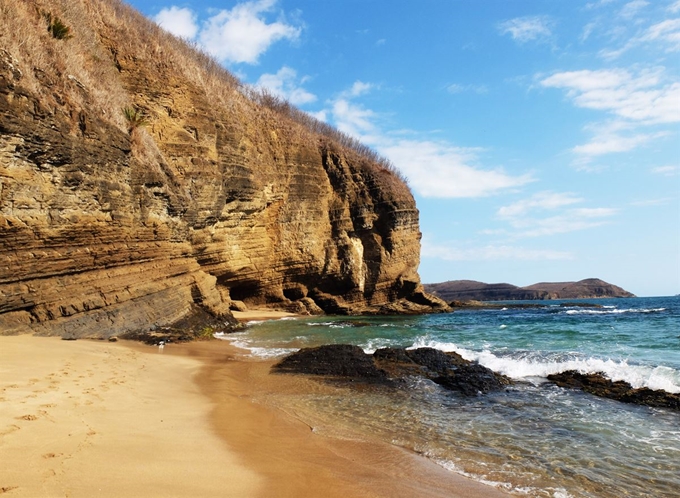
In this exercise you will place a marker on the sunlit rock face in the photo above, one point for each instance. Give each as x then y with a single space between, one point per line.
109 225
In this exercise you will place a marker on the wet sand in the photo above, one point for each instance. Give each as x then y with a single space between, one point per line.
92 418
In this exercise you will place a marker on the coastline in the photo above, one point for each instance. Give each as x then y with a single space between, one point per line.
89 418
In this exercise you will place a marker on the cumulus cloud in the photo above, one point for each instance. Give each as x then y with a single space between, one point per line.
439 169
355 120
525 29
642 98
242 34
178 21
239 35
285 84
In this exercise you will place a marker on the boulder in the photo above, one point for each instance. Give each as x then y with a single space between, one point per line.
449 370
473 379
599 385
334 360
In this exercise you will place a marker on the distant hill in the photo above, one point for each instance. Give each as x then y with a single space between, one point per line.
466 290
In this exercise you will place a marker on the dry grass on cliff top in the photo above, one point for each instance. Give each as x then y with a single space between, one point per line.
83 70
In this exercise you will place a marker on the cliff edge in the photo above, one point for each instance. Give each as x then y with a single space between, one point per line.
141 184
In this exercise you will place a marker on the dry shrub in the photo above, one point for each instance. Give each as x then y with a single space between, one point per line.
83 70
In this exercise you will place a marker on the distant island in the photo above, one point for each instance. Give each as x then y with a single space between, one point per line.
466 290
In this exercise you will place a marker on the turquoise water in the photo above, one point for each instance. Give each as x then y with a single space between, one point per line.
534 439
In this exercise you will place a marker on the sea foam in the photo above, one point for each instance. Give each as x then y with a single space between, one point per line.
530 365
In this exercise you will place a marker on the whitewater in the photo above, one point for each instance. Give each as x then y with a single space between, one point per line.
534 439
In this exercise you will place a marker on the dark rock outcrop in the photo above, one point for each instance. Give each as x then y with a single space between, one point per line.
599 385
470 290
334 360
449 370
472 379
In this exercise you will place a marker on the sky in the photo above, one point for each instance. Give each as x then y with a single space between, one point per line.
541 138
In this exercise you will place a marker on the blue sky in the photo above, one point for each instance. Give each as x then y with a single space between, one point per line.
541 138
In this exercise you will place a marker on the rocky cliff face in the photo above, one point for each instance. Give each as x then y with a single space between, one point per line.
108 226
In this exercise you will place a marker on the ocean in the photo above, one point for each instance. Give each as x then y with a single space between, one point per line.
534 438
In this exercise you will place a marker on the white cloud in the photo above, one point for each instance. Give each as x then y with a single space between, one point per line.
320 115
653 202
178 21
433 168
456 88
539 201
674 7
571 221
667 31
439 169
587 31
525 29
642 98
632 9
606 143
526 218
490 253
664 35
635 99
242 34
358 88
285 84
598 4
666 170
354 119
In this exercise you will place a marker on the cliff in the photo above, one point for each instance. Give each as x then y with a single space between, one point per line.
195 200
465 290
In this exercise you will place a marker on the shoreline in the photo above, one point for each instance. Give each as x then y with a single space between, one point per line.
89 418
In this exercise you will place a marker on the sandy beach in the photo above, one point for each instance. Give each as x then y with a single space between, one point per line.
93 418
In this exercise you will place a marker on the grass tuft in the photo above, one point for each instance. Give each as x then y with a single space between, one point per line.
135 118
56 27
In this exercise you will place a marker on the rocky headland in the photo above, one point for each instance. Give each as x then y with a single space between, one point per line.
470 290
143 185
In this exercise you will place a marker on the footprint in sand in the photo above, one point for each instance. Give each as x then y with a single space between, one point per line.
51 455
8 430
7 489
27 417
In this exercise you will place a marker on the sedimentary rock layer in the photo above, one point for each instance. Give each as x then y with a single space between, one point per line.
109 225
